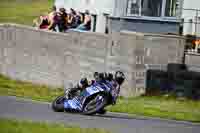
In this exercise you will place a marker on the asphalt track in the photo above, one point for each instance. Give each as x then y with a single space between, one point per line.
12 107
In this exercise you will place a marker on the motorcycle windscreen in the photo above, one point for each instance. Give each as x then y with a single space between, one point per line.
74 104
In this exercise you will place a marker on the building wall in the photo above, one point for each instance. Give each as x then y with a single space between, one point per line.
192 4
56 58
95 6
163 24
189 26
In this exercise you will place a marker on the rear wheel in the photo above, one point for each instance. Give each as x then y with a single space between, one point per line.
94 104
58 104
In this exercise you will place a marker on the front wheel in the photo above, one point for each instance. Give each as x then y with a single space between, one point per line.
58 104
94 104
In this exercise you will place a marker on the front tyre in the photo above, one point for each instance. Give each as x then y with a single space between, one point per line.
94 104
58 104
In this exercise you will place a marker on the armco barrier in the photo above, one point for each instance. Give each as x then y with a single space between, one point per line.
55 58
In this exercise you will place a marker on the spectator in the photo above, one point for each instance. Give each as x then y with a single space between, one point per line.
52 19
79 18
62 20
86 25
72 18
87 20
42 22
75 20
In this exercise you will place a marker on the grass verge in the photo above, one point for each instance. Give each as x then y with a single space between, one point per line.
15 126
163 107
28 90
23 11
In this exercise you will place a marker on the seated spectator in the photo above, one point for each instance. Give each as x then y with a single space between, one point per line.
71 17
74 20
86 25
42 22
46 21
52 19
62 20
81 15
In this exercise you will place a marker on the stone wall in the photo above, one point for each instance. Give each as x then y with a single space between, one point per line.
53 58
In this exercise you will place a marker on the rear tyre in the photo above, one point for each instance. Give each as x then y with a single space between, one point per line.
58 104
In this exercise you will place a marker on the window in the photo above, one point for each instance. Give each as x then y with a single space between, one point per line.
152 8
171 8
133 7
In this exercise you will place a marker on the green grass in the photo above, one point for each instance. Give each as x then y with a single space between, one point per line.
28 90
15 126
163 107
23 11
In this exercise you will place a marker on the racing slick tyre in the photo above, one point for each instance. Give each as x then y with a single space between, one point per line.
58 104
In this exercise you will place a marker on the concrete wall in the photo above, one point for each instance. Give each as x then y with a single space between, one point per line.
192 61
54 58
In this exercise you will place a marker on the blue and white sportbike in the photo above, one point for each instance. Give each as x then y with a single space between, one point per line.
93 99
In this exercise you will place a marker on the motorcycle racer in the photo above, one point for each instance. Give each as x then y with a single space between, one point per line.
82 84
102 78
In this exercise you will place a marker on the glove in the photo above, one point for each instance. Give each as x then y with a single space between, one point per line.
67 93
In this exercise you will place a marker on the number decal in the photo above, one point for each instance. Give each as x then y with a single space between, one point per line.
92 90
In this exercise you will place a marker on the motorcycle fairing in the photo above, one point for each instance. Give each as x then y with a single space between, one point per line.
98 87
77 102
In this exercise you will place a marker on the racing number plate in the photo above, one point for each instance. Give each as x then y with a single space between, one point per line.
92 90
